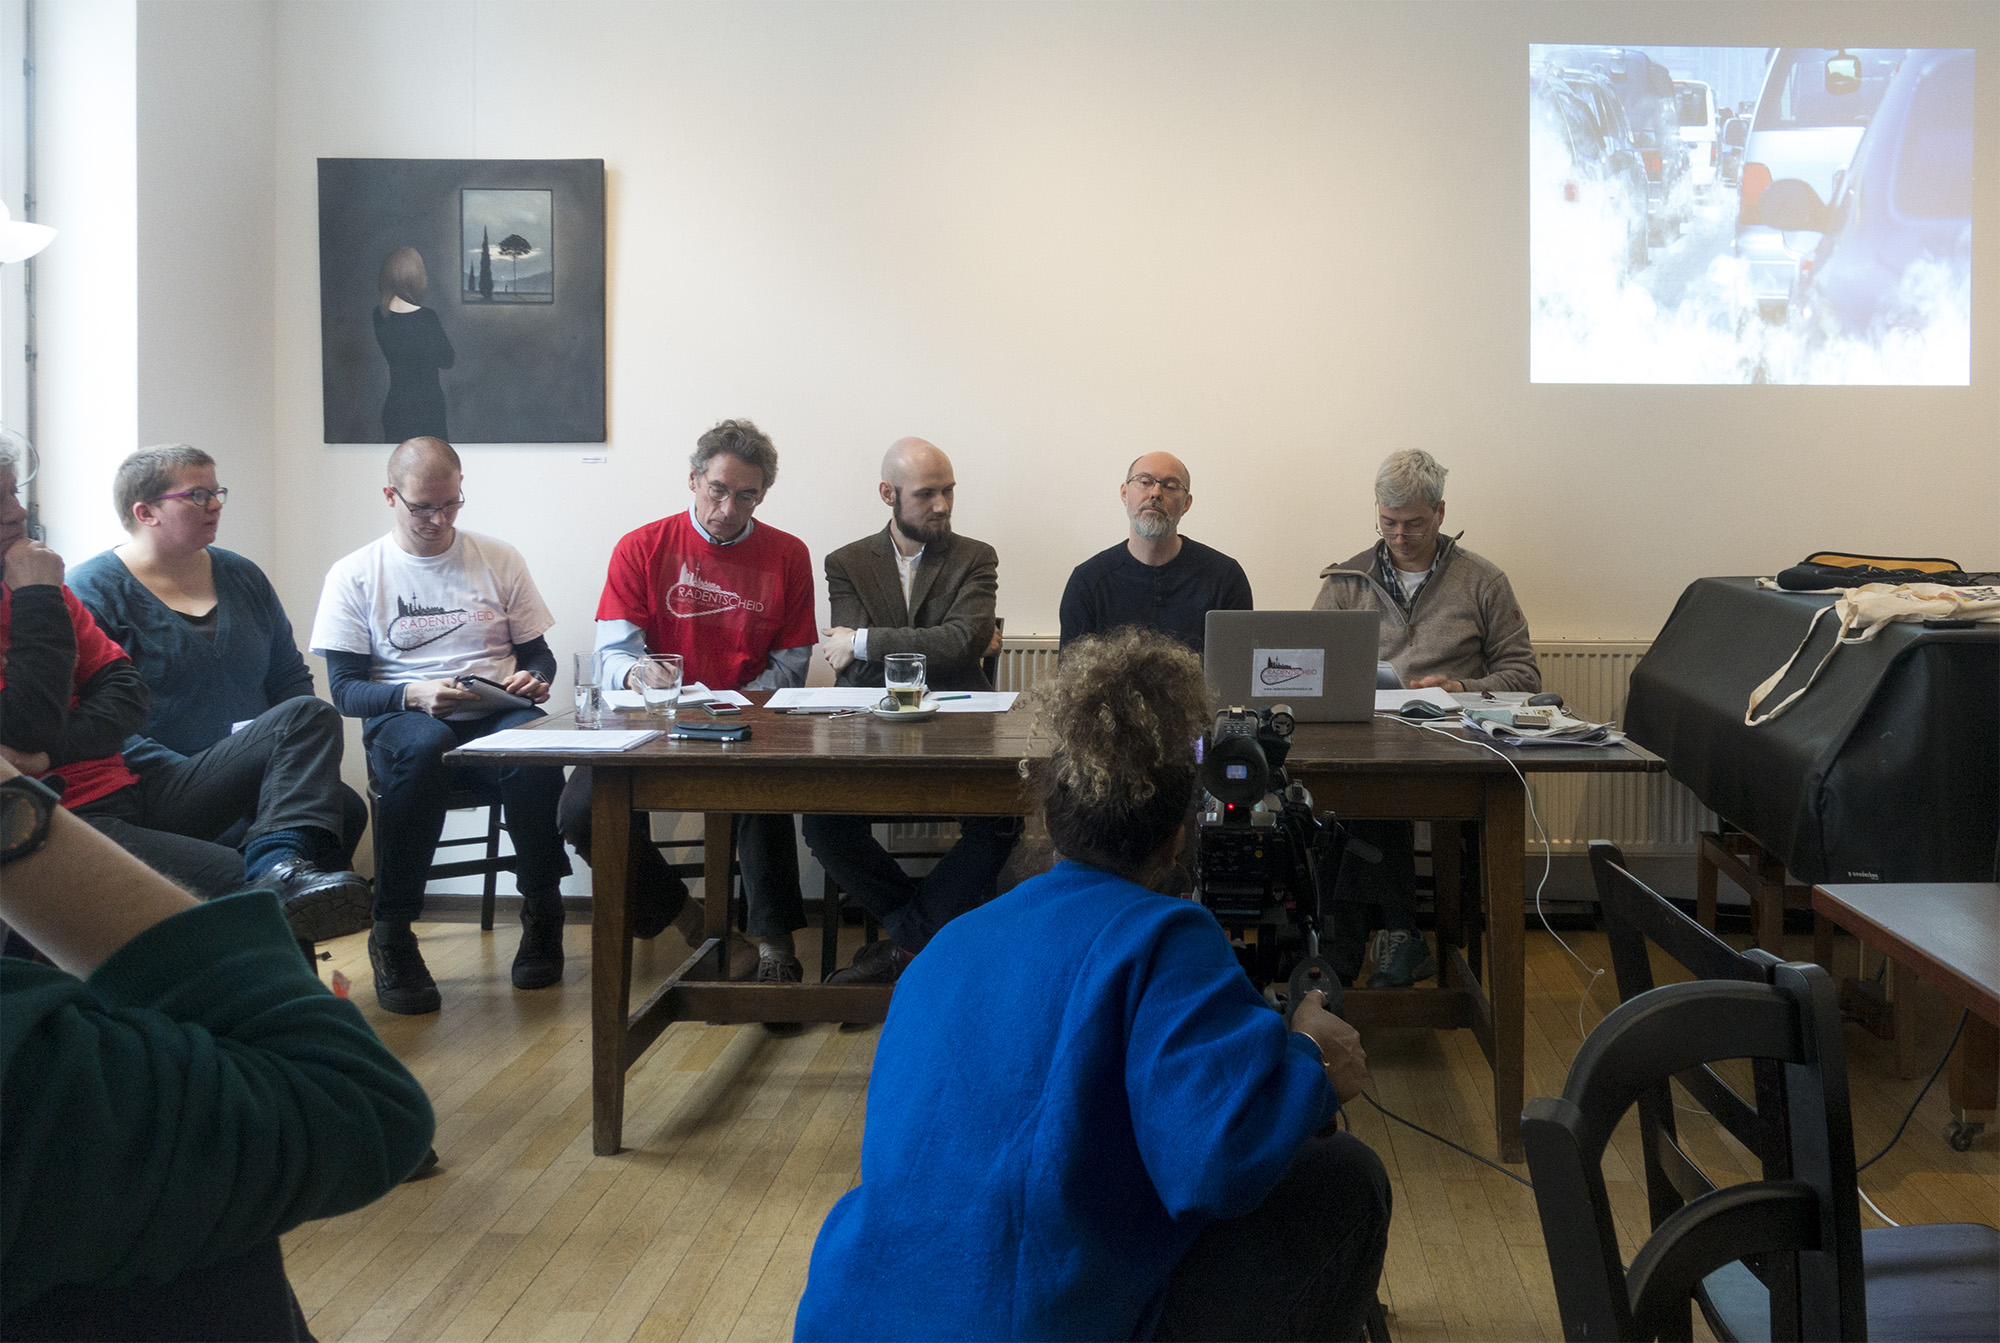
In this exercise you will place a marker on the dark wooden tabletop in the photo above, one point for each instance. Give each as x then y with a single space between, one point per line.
959 740
1948 932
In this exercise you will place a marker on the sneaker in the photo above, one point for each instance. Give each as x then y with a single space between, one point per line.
320 904
879 962
403 983
780 969
1401 959
539 962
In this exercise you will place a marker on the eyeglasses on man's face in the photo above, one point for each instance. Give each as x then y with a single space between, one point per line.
200 496
1166 485
1406 526
426 512
718 493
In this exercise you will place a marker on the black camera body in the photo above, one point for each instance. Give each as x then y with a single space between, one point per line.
1259 846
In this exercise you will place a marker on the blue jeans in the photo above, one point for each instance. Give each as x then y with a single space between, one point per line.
406 758
912 909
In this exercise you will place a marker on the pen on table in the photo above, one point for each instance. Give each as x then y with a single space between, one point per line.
939 699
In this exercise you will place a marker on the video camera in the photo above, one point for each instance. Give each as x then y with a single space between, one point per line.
1260 849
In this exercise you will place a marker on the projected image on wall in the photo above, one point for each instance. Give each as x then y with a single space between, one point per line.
1750 214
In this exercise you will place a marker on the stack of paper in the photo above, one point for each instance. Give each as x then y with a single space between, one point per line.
691 695
607 741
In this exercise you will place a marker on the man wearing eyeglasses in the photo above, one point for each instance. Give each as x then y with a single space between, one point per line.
734 598
401 623
235 746
1449 619
1156 577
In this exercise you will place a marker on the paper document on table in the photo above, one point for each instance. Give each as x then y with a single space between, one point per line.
825 698
977 701
1566 732
690 695
607 741
1389 701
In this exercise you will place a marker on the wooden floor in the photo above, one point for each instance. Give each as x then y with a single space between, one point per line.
740 1140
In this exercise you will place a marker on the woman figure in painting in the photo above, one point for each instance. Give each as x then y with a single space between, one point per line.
414 343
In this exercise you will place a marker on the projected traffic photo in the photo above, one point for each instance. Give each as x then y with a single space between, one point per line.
1750 215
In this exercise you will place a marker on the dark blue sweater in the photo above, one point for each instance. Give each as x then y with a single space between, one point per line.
1111 588
1072 1082
200 687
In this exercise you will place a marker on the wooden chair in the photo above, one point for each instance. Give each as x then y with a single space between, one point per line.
1933 1282
1803 1228
489 865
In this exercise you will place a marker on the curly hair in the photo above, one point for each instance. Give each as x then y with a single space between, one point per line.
1124 711
742 440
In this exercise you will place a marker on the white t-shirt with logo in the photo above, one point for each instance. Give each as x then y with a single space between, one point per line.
431 618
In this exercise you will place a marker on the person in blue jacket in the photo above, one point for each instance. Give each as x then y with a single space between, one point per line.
235 748
1083 1120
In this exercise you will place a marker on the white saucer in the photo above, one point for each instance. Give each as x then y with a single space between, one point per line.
916 715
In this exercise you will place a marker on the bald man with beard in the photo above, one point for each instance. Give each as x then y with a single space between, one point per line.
913 587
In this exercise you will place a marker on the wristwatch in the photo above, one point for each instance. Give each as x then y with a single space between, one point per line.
26 805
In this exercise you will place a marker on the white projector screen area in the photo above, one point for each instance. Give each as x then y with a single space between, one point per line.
1750 215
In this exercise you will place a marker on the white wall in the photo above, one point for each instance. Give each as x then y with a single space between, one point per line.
1279 240
207 307
87 278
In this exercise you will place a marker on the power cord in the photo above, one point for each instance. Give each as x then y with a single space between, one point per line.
1385 1110
1912 1111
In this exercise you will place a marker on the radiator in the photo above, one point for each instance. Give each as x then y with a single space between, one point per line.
1643 813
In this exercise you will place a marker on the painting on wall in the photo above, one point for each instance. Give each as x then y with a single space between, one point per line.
462 298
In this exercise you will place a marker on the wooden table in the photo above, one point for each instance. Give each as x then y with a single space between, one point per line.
968 765
1948 934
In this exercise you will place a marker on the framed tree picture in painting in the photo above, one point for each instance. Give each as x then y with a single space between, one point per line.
462 298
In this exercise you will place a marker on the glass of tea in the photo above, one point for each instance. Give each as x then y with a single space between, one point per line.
904 678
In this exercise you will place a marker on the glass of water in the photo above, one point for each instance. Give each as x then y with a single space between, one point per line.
903 674
589 698
659 678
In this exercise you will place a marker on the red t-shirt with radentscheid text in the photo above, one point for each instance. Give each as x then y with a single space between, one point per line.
724 609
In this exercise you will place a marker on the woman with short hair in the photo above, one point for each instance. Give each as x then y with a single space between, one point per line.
1083 1120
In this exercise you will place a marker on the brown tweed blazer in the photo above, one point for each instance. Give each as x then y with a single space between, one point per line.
949 617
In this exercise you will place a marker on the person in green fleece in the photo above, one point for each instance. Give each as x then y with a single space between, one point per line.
176 1091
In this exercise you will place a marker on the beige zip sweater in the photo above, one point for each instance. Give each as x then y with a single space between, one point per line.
1465 623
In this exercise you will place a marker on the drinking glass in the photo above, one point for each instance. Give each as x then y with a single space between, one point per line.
904 678
659 678
589 697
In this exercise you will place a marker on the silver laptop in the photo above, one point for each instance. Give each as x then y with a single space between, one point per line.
1320 663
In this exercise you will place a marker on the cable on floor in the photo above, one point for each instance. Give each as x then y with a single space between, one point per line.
1911 1112
1385 1110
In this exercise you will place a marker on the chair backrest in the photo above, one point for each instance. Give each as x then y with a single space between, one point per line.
991 666
1636 917
1809 1222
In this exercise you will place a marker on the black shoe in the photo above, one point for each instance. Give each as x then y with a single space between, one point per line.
649 910
403 983
320 904
539 962
879 962
425 1168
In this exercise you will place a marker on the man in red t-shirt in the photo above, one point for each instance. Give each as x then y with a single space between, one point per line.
733 597
69 697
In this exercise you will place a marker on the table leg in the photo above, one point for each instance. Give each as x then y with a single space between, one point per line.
1502 851
610 953
1447 898
1975 1071
1903 1007
718 851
